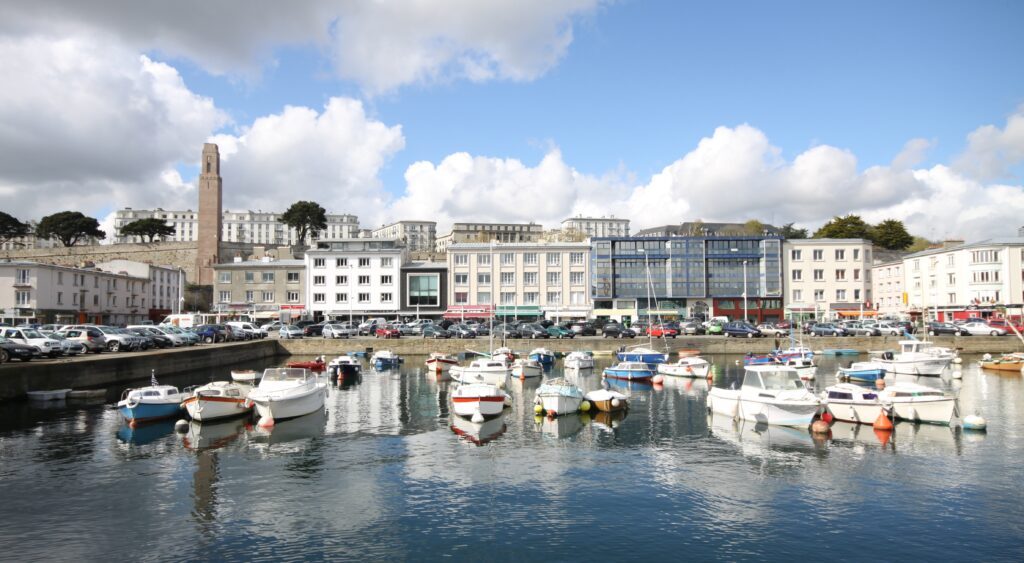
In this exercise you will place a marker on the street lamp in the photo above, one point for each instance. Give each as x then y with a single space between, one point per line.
745 318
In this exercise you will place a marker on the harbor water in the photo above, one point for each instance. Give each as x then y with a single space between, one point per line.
386 472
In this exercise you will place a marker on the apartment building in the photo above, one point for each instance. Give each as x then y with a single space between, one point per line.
356 278
166 284
597 226
487 232
417 235
828 278
253 227
265 288
674 277
887 288
46 293
519 280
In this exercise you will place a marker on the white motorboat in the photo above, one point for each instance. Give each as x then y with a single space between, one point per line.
344 366
48 395
220 399
441 363
914 359
527 367
919 403
769 394
247 376
505 353
482 370
607 401
804 366
478 401
558 397
852 403
579 360
690 366
288 393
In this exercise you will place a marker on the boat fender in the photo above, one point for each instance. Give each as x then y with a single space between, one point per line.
957 374
538 408
248 403
879 383
658 378
986 358
585 406
616 402
975 422
181 425
552 413
827 417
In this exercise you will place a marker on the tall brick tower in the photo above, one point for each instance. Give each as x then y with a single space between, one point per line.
210 214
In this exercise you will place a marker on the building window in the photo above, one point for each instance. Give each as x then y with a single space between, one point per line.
797 275
840 295
341 298
819 294
554 259
483 259
508 278
798 295
508 259
554 278
424 289
461 279
794 254
96 299
385 298
530 298
249 295
364 280
840 275
224 277
856 254
483 279
554 297
340 280
319 280
23 277
386 280
818 255
319 298
293 296
386 262
951 259
483 297
950 279
461 259
364 262
530 278
364 297
576 258
225 297
268 296
578 298
293 277
840 254
951 298
856 295
268 277
530 259
341 262
508 298
819 275
319 262
856 274
461 298
576 278
60 298
250 277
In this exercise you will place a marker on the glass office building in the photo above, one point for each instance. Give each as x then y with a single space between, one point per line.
676 277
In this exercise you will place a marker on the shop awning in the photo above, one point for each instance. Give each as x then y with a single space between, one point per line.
469 312
865 313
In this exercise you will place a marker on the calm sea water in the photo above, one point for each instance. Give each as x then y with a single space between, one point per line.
386 473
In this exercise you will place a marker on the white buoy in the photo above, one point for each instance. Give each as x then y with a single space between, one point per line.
975 422
181 425
477 418
957 374
616 402
958 360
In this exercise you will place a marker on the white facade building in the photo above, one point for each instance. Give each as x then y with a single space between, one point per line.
46 293
887 288
417 235
253 227
488 232
521 279
358 277
166 283
827 278
597 226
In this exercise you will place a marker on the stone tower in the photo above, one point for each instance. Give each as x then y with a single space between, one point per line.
210 214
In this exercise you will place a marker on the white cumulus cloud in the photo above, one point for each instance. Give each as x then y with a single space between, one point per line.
991 151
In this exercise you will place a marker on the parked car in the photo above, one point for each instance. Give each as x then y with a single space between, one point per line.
340 330
640 328
44 345
741 329
418 324
692 327
313 329
211 334
147 341
90 338
159 335
461 331
11 350
969 320
68 347
784 325
251 331
505 331
982 329
189 335
583 328
828 329
533 330
434 331
290 331
663 331
304 323
617 330
272 326
857 328
481 329
937 328
369 326
388 331
555 331
1003 324
890 329
770 329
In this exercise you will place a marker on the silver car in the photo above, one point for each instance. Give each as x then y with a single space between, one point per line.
91 338
982 329
340 330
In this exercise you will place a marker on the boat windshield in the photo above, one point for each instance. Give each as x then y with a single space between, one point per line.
284 374
781 380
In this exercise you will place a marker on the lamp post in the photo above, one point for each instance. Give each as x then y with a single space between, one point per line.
647 271
745 317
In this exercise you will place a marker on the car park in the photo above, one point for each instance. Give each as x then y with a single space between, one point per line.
533 331
290 332
11 350
828 329
44 345
857 328
771 329
663 331
982 329
1005 325
741 329
461 331
937 328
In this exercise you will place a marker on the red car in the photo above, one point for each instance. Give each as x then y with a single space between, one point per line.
661 330
1005 325
388 332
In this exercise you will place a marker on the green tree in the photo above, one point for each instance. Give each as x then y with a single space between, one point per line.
149 228
753 227
11 228
306 217
69 227
789 231
847 226
891 234
919 244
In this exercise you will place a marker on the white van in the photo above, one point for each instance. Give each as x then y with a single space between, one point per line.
183 320
248 328
369 326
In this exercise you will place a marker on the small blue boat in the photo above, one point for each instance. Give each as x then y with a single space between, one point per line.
154 402
863 371
640 354
385 359
630 371
544 356
840 352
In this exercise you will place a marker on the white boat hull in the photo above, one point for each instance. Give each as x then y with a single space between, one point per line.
440 366
928 366
725 402
487 406
677 370
465 375
527 370
292 406
934 412
212 408
561 404
244 376
728 402
860 413
574 363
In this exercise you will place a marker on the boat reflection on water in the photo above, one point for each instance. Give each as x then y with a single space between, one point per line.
609 421
212 435
688 386
348 381
563 426
929 438
624 386
763 440
145 433
859 436
478 433
291 430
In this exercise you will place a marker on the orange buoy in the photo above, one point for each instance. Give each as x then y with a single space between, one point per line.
820 427
879 384
883 436
827 417
552 413
266 422
882 422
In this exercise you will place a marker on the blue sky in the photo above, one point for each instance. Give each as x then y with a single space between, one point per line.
584 106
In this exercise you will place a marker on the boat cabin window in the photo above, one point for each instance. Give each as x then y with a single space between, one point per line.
233 393
150 393
839 395
869 396
213 392
781 380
